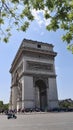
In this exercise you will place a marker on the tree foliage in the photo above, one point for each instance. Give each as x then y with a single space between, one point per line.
67 103
17 13
3 106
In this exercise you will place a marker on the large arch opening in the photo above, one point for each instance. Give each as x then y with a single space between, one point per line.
40 95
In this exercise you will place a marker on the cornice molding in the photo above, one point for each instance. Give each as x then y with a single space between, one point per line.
38 75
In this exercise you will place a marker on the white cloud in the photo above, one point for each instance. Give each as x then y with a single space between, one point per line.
39 17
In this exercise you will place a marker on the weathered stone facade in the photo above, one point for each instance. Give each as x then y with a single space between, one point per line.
33 83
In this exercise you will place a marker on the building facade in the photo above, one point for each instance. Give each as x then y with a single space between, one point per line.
33 77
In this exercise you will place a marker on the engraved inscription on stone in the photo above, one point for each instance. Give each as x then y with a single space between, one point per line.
39 66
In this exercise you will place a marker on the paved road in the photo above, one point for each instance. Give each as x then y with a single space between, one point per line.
47 121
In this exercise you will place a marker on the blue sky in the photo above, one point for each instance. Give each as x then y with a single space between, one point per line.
63 60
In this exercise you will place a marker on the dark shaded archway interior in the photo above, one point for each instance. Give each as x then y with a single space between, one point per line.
42 94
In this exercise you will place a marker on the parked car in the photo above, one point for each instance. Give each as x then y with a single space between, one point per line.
11 115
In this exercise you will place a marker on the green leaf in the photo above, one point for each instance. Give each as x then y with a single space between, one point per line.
1 21
3 1
68 37
70 48
50 4
64 26
53 25
8 29
38 4
47 15
5 39
25 26
15 1
9 34
16 22
3 14
25 2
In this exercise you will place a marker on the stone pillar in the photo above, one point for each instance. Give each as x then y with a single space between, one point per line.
10 102
14 97
23 92
37 97
22 81
19 105
28 92
52 95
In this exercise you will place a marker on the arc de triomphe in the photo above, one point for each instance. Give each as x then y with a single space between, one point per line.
33 77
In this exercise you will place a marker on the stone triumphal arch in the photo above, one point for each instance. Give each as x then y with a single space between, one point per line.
33 77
